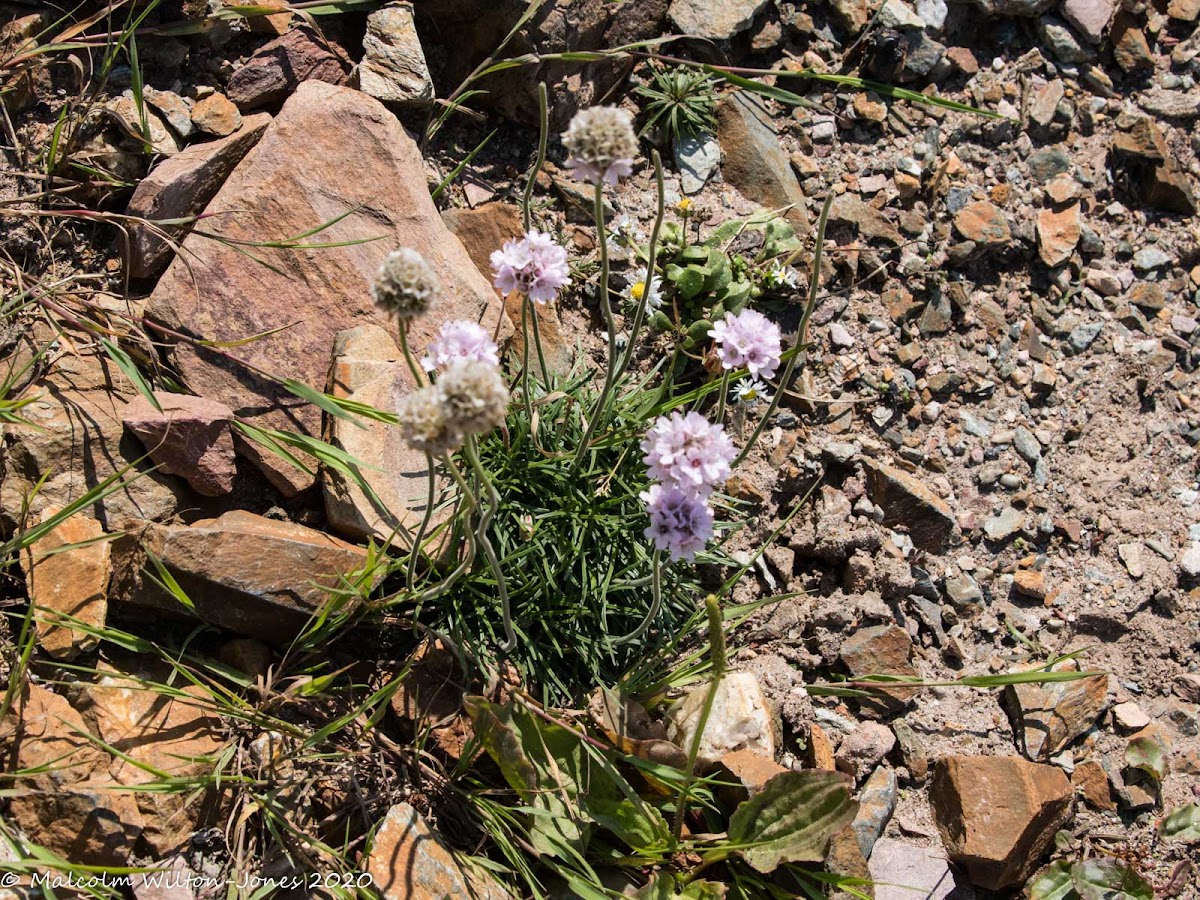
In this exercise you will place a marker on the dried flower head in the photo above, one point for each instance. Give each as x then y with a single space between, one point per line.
748 340
601 144
688 452
405 285
423 422
473 395
680 523
535 266
457 340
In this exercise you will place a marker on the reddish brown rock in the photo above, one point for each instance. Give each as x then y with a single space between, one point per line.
881 650
296 178
71 582
1030 583
179 187
998 815
1058 233
753 161
1091 782
1148 168
277 68
72 439
255 576
750 770
187 436
906 501
216 115
483 230
1130 48
407 861
73 807
170 734
1048 717
983 223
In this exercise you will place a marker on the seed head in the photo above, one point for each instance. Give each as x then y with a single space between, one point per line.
423 422
474 397
601 144
406 285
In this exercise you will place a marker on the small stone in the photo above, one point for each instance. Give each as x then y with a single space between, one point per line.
741 719
1062 188
984 224
754 163
1048 717
902 871
1106 284
1030 583
1171 104
1090 17
933 13
1131 556
1150 258
216 115
277 67
1130 48
1047 163
751 769
1063 41
1190 561
1058 234
408 861
820 748
698 158
898 14
1045 102
840 337
714 20
867 105
393 67
1083 336
1091 782
1184 10
864 748
1129 717
881 650
876 803
71 580
906 501
912 751
1187 686
187 436
1004 524
963 591
1027 445
172 108
998 815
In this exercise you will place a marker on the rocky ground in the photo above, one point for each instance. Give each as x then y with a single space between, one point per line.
993 443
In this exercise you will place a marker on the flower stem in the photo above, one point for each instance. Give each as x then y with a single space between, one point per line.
544 120
419 537
716 641
655 602
525 304
418 375
606 308
801 332
467 505
723 390
651 263
489 552
537 343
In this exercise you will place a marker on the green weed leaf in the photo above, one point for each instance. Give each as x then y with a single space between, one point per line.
1107 879
1181 824
1147 755
1054 882
792 819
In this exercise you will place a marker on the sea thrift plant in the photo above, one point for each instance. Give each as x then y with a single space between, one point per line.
473 395
681 523
601 144
688 452
748 341
535 266
460 340
405 285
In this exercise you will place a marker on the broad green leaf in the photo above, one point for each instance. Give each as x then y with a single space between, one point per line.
1107 879
698 330
1181 824
1054 882
689 280
792 819
638 824
664 887
1147 754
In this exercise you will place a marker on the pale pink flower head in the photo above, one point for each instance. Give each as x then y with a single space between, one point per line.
460 339
688 452
601 145
748 340
680 523
534 265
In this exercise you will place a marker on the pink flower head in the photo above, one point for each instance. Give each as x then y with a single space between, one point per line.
688 452
680 523
748 340
535 266
594 174
457 340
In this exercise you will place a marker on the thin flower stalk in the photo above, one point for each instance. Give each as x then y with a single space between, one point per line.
466 507
655 601
527 215
419 538
485 520
651 265
801 332
606 308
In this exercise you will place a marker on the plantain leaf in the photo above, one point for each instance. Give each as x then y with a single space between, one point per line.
664 887
1147 755
792 819
1054 882
1181 824
1107 879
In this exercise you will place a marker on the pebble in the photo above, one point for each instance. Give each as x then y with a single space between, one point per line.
1150 258
1009 521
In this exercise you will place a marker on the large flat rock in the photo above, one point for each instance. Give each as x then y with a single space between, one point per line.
331 152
